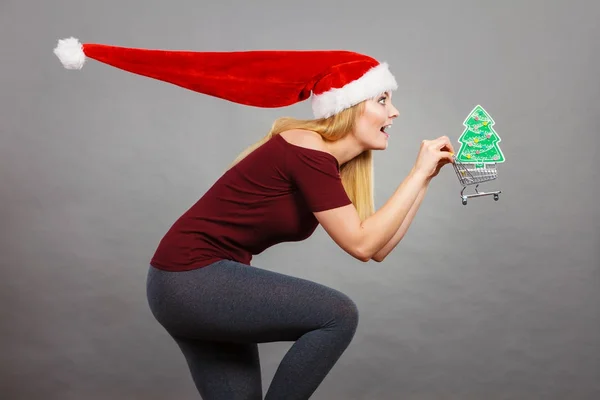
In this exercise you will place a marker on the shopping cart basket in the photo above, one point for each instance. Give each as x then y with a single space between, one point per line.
469 174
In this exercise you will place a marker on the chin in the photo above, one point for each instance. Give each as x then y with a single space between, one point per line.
379 142
379 146
382 145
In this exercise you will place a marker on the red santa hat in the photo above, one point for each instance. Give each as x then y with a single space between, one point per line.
337 79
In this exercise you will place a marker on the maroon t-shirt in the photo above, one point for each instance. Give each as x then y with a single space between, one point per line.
265 199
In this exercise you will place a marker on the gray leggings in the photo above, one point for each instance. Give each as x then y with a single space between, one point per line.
217 315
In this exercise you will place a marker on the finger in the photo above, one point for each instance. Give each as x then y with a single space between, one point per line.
447 155
449 145
440 142
448 148
451 148
446 144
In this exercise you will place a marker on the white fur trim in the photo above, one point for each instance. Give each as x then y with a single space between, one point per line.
70 53
373 83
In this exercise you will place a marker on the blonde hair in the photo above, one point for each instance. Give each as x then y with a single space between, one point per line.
356 174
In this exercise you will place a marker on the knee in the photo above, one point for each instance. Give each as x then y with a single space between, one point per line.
345 313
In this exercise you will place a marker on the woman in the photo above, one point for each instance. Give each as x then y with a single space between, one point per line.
201 287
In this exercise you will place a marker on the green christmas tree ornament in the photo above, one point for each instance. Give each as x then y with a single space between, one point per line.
479 141
479 153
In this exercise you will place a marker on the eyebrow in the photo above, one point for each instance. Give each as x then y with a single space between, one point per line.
384 94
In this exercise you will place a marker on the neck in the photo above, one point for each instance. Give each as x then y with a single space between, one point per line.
345 149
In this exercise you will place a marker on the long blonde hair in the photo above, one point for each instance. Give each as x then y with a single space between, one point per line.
356 174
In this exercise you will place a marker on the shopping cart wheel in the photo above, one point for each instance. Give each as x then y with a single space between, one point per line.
464 201
496 197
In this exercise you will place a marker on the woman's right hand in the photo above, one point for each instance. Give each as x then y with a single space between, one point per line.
433 155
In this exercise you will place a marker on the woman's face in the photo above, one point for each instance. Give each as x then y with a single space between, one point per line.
377 117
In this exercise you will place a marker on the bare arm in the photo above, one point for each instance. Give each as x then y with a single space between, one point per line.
399 235
363 240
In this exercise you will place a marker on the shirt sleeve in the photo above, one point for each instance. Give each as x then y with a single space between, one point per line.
316 176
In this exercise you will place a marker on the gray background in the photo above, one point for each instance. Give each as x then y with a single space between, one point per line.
493 300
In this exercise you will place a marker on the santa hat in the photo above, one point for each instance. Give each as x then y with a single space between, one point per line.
337 79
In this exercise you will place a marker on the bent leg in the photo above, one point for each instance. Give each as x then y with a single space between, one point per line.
223 371
313 355
231 302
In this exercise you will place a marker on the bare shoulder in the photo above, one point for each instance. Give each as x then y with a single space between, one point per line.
304 138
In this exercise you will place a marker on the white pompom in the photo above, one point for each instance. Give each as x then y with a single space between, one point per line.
70 53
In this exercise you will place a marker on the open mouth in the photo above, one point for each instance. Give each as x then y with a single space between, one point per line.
384 129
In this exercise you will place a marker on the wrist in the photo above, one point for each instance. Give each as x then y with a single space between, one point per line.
420 176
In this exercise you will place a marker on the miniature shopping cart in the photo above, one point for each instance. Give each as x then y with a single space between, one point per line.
468 174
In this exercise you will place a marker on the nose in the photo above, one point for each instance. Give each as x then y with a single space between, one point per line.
393 112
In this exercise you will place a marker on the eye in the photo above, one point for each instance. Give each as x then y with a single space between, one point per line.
382 98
